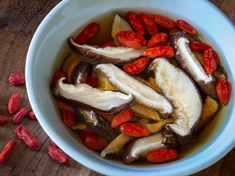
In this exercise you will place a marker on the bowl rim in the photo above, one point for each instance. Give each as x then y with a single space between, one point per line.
109 168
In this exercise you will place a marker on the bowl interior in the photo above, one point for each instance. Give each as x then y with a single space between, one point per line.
49 46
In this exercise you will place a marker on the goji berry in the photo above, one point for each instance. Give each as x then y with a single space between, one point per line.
158 39
68 117
14 103
134 129
3 120
131 39
92 80
32 115
22 133
162 155
149 23
160 51
136 23
95 142
90 31
58 74
107 44
19 116
56 154
136 66
186 27
52 143
223 89
17 79
198 46
122 117
210 53
6 151
210 61
83 134
165 22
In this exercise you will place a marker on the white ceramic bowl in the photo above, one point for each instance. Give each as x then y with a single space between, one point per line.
50 40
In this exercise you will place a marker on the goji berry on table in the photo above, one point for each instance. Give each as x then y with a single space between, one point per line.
6 151
56 154
88 32
14 103
19 116
17 79
3 120
25 135
32 115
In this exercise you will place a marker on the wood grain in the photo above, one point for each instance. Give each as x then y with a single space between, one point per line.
18 22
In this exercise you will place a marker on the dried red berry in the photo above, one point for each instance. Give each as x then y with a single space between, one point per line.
56 154
223 88
131 39
134 129
90 31
22 133
123 116
3 120
107 44
149 23
162 155
136 66
160 51
68 117
95 142
32 115
14 103
186 27
158 39
17 79
19 116
86 133
198 46
135 21
165 22
6 151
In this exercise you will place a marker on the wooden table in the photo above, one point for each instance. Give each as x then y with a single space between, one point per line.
18 22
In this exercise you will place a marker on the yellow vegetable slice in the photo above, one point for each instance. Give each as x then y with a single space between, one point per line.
70 65
210 107
156 127
105 84
151 83
79 126
145 112
116 145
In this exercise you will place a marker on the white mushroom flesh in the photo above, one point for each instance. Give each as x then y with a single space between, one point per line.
183 94
143 94
85 94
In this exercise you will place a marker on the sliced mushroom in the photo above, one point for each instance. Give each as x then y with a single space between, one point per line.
81 72
142 146
143 94
88 96
189 62
183 94
117 55
119 24
99 125
116 145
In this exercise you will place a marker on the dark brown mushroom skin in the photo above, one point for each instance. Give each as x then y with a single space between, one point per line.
98 124
81 73
91 57
208 88
127 158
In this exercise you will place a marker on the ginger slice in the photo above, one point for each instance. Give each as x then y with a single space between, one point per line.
105 84
145 112
210 107
79 126
116 145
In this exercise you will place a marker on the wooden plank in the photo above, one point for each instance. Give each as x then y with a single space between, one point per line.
18 22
